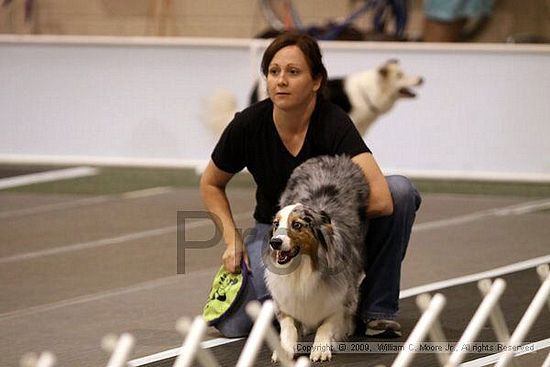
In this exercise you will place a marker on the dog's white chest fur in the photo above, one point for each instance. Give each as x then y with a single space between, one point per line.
303 295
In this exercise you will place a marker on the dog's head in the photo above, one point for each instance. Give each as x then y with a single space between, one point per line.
394 79
299 230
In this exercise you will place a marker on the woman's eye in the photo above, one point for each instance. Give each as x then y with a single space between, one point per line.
295 71
273 71
296 225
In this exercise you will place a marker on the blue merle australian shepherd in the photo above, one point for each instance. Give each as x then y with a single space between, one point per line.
315 255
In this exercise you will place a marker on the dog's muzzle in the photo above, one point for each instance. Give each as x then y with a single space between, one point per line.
279 241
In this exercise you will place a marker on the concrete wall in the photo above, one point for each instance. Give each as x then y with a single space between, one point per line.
483 112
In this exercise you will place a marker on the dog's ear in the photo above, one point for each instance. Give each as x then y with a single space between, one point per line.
320 224
329 261
325 218
383 71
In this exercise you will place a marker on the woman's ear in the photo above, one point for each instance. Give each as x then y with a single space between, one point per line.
317 84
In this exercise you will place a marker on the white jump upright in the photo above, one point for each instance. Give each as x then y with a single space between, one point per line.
477 322
546 362
497 316
526 322
45 359
121 347
436 330
543 271
263 330
422 327
192 343
204 356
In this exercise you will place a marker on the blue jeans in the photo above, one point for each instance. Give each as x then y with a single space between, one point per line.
387 241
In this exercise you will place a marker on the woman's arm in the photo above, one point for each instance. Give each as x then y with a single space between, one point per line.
380 200
212 187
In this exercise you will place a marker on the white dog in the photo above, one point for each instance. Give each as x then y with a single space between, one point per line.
364 96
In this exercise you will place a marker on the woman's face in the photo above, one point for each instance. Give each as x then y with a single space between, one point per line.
289 81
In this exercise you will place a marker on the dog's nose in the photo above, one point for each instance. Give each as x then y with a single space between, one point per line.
276 243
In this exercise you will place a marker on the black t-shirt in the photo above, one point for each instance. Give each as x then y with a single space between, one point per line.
251 140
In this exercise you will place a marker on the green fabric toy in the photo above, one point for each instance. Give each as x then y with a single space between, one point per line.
225 290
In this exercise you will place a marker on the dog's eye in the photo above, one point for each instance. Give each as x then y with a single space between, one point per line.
296 226
275 223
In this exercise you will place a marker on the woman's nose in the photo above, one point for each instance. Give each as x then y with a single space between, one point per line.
281 80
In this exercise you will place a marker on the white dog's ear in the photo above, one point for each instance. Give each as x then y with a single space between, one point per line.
383 71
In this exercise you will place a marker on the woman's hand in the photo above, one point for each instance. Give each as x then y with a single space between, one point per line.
232 257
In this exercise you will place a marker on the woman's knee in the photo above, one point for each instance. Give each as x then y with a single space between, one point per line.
404 194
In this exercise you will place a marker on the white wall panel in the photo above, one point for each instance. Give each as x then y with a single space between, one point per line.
483 111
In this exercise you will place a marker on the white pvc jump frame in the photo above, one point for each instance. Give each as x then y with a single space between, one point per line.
489 308
428 324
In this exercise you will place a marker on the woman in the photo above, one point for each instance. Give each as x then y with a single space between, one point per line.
273 137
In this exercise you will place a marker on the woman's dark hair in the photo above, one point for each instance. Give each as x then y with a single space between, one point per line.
309 47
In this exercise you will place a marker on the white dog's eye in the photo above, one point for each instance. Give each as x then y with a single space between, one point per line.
296 225
275 224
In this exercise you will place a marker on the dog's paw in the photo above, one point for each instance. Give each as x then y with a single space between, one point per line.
320 352
289 354
274 357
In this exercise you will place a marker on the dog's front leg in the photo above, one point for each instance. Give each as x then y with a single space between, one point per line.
289 336
333 328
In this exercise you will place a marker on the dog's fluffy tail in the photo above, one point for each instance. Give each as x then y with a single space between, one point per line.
219 109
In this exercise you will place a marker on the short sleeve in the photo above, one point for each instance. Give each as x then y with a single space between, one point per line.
229 155
338 131
351 143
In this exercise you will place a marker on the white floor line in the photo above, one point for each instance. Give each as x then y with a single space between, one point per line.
89 298
526 208
176 351
492 359
512 268
17 213
517 209
88 245
147 192
47 176
110 241
84 202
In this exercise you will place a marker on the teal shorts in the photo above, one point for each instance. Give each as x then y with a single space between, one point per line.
450 10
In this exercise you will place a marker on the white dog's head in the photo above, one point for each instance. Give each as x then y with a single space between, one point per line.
395 81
